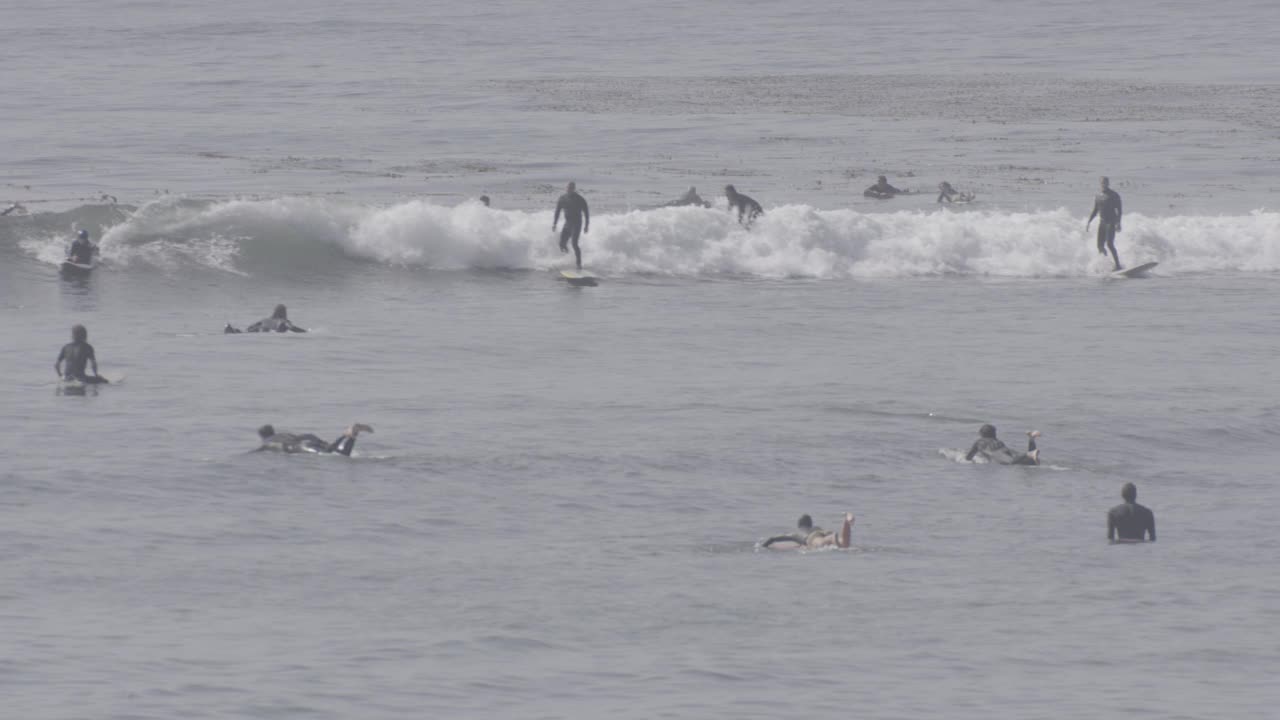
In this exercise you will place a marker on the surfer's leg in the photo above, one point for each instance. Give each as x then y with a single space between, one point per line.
577 252
1111 244
564 237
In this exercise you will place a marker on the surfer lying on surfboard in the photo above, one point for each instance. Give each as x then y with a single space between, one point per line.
996 451
278 322
810 536
76 354
308 443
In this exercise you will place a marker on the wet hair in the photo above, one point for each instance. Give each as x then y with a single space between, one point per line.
83 235
882 178
805 522
266 431
1129 492
78 333
1106 181
485 199
729 190
987 431
572 186
280 312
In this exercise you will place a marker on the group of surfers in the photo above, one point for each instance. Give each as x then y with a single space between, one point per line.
1127 522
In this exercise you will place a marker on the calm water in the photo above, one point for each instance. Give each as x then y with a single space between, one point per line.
558 513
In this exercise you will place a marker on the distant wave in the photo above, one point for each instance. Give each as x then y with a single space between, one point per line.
295 235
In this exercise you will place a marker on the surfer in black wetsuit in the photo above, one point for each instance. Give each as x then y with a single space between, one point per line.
689 198
308 443
76 354
278 322
484 200
746 206
82 251
810 536
575 210
1106 207
950 194
1130 521
882 190
996 451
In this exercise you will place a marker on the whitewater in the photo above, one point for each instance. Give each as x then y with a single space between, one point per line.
559 512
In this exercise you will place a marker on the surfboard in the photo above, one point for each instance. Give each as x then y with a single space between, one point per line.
578 279
78 268
1138 271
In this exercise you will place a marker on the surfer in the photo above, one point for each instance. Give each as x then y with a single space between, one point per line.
278 322
82 251
810 536
1130 520
575 210
484 200
882 190
745 205
1106 207
76 354
689 198
996 451
950 194
308 443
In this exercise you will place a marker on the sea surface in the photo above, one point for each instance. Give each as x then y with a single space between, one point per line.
559 512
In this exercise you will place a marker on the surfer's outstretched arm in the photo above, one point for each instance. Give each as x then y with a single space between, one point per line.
846 531
972 451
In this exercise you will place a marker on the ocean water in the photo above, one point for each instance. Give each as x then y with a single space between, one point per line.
559 511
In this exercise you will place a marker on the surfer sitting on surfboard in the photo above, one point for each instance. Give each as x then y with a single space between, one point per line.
1130 521
308 443
882 190
76 354
996 451
82 251
810 536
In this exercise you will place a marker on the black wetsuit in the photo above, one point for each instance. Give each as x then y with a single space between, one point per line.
1131 521
308 443
575 210
746 206
77 355
81 252
880 191
1107 208
997 452
271 324
800 537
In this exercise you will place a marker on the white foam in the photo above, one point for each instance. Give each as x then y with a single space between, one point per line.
788 241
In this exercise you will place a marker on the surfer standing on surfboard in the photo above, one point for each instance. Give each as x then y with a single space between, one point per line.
1106 207
76 354
575 210
82 251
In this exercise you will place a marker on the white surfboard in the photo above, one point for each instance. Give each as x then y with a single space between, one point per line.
578 278
1137 271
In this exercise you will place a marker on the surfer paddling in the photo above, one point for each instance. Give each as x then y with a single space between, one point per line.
808 535
76 354
689 198
81 251
577 220
308 443
1106 207
882 190
278 322
1130 521
994 450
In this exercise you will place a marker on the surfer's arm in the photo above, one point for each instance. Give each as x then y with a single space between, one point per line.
586 216
293 328
556 220
1119 212
1092 215
972 451
57 364
1151 528
1111 526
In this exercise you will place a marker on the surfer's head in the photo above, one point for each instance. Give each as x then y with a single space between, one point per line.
944 186
280 313
1106 182
83 235
484 200
266 431
78 333
987 431
1129 492
805 522
573 187
882 180
730 191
